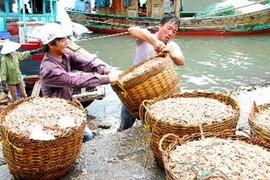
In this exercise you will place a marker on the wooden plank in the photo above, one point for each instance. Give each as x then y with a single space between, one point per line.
36 89
97 93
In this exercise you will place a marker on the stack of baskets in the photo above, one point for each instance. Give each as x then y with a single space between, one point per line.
259 122
173 115
42 137
152 78
222 155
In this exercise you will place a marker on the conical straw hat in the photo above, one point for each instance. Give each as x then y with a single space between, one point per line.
9 46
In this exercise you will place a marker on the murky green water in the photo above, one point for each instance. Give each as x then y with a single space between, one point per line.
211 62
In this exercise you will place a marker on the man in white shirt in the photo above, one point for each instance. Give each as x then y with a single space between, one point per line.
149 45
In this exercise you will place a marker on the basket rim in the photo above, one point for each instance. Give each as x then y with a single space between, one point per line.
25 138
259 130
166 56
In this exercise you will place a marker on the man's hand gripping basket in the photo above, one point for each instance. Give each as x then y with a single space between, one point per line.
152 78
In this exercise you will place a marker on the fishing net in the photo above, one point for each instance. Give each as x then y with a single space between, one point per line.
217 9
231 7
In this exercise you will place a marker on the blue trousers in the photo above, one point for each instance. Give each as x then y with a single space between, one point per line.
127 119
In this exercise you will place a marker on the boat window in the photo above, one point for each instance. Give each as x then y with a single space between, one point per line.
50 6
2 7
169 6
12 7
142 8
38 7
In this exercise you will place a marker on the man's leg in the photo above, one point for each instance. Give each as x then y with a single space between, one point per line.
22 90
87 134
13 93
127 119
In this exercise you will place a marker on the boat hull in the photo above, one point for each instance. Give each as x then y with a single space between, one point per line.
257 22
212 32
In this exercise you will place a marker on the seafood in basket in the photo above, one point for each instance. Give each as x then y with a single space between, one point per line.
152 78
188 113
259 121
216 158
42 137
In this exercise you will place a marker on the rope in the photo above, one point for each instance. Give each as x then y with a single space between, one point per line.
7 142
119 24
202 173
123 25
229 8
106 36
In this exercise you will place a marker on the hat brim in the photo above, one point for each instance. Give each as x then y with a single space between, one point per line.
10 47
54 30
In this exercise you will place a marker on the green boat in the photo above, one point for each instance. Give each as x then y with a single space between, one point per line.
116 16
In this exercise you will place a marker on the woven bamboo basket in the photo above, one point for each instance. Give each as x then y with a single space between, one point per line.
261 131
231 134
159 128
40 159
157 80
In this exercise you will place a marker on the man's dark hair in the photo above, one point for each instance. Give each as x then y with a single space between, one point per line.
170 18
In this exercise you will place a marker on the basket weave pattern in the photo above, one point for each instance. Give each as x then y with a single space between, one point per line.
260 131
177 141
35 159
160 128
158 81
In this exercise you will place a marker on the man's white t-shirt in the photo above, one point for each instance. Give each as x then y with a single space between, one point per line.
145 50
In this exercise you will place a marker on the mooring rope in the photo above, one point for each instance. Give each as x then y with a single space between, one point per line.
123 25
107 36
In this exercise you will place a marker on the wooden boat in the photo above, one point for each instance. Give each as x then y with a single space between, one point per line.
28 15
117 19
84 95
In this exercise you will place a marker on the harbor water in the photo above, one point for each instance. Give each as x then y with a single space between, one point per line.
216 64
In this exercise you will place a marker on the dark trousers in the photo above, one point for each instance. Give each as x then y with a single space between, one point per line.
127 119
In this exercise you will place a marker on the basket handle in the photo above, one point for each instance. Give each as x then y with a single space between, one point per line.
162 140
120 85
143 107
77 102
255 107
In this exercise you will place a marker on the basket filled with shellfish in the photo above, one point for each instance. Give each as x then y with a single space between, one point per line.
42 137
154 77
222 155
259 121
188 113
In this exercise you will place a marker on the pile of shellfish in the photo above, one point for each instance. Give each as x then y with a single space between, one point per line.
54 116
263 118
140 70
219 159
191 111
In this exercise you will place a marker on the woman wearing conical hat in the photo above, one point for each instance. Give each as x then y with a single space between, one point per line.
11 76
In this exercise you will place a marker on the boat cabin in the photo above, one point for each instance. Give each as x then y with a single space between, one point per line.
139 8
16 13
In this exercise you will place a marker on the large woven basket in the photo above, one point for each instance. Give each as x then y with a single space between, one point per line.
159 128
260 131
156 81
177 141
38 159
